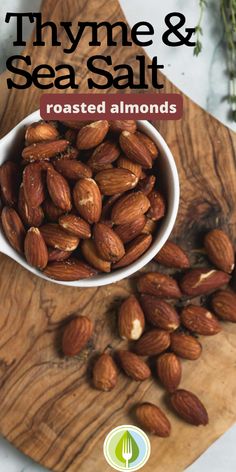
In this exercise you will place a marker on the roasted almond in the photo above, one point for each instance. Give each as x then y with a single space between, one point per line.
30 216
58 255
134 366
9 182
169 371
131 321
69 270
75 225
41 131
76 335
72 169
185 346
149 143
55 236
130 231
108 243
71 135
153 420
70 153
157 206
172 255
159 313
105 373
59 190
76 124
44 150
134 250
147 184
34 185
150 226
200 320
106 153
92 134
125 163
201 281
152 343
36 252
224 305
135 150
88 200
117 126
189 407
90 253
107 206
13 228
113 181
51 211
129 207
159 285
220 250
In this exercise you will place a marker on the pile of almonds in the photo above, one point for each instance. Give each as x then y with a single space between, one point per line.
82 198
159 330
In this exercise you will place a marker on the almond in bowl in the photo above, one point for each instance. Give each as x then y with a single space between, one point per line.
107 198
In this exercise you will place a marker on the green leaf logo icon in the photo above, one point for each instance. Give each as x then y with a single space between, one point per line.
127 445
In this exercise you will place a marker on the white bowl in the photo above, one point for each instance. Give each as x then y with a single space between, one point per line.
12 143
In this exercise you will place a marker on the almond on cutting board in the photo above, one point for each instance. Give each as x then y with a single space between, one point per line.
76 335
220 250
134 366
159 285
131 321
105 373
189 407
169 371
152 419
224 305
200 320
185 346
159 313
152 342
173 256
203 281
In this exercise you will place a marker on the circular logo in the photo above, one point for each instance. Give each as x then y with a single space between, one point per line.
126 448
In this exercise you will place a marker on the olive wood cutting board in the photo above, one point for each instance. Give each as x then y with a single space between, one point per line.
48 408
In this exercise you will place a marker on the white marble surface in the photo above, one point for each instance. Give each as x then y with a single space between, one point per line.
204 80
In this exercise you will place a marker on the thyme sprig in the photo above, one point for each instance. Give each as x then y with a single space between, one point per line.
228 13
198 28
228 16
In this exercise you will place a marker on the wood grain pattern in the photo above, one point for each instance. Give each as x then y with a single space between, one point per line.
48 408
